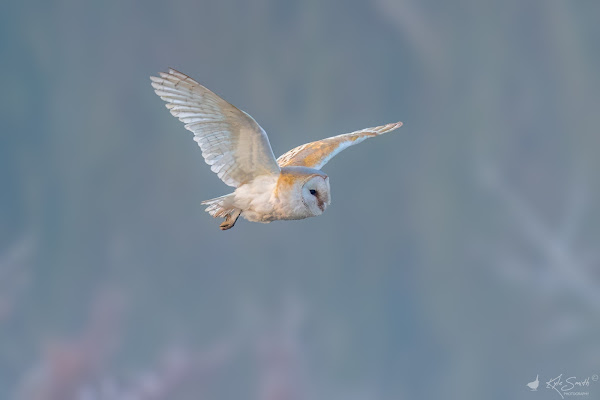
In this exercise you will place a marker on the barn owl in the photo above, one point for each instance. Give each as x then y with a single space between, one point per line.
238 151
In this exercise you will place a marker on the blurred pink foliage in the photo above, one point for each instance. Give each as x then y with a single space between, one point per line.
79 368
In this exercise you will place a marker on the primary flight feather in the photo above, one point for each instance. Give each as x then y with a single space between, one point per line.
239 152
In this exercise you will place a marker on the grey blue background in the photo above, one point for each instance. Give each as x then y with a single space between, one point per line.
459 258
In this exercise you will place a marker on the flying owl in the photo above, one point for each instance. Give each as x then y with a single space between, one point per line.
238 151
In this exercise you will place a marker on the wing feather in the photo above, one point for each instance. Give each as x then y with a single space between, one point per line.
317 154
232 142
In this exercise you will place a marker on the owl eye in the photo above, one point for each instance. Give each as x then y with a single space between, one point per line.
313 192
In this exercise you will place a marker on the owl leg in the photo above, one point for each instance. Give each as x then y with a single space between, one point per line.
230 220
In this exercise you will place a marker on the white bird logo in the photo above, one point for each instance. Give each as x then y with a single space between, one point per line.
534 385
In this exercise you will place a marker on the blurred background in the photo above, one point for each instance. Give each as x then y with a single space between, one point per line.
460 256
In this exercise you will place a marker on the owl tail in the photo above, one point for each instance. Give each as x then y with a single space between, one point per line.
220 207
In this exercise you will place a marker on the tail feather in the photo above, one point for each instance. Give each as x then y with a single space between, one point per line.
220 207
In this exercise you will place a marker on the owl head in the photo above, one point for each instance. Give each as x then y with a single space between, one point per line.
304 190
315 194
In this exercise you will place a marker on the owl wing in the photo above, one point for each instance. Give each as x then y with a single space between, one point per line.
316 154
233 144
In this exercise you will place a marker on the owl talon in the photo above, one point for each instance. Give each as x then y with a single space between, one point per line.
226 225
230 220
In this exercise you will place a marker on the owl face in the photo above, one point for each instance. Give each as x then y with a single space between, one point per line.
315 194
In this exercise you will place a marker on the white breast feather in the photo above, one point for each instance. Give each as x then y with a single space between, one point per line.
256 198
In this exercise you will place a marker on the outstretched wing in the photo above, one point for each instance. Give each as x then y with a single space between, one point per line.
232 143
316 154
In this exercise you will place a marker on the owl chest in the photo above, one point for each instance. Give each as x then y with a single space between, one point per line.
276 207
265 201
267 207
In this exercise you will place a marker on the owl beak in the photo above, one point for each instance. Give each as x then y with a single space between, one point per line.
321 204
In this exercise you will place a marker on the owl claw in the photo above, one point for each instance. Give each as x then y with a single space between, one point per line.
230 220
226 225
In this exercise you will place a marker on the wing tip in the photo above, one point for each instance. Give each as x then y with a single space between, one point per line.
392 126
380 130
172 75
180 75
